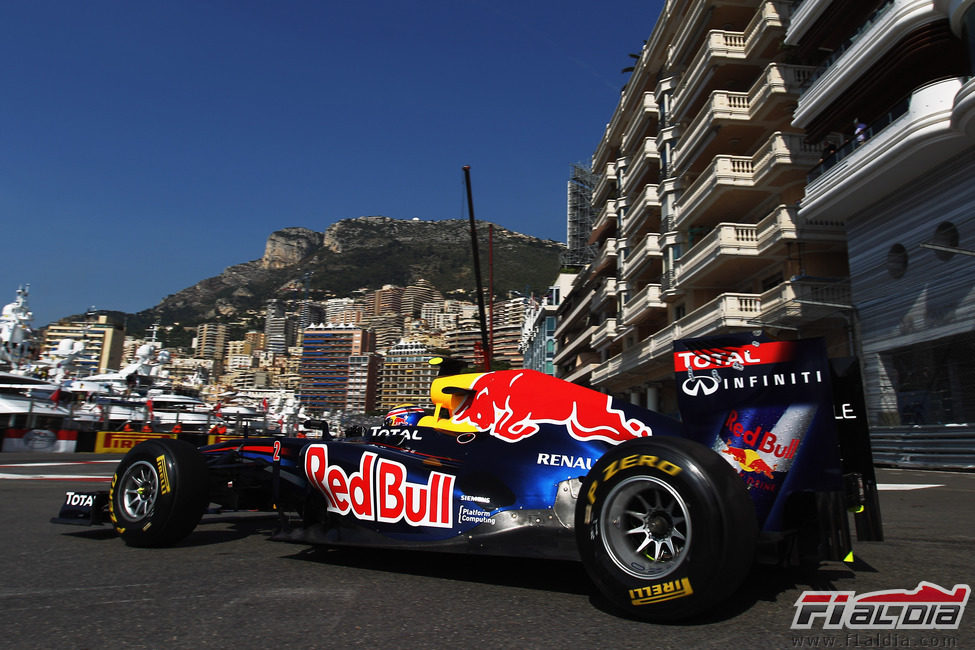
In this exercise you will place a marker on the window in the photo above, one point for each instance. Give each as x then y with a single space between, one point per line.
946 234
897 261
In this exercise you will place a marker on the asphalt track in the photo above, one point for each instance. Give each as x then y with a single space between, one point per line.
227 585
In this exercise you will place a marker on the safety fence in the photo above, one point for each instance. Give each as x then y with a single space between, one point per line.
947 448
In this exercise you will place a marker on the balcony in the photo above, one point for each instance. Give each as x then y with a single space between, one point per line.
643 121
574 346
892 22
733 184
725 246
581 373
605 222
640 304
645 250
894 153
805 15
643 213
570 320
640 163
802 301
963 114
605 258
606 187
604 334
606 293
721 48
727 312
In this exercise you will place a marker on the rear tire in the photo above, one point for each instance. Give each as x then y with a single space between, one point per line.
665 528
159 492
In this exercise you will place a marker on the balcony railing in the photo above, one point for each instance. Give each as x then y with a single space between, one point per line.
606 257
851 145
605 293
729 45
645 204
574 345
606 215
640 303
781 150
639 161
639 123
843 47
645 249
887 26
901 148
606 186
603 334
570 320
726 239
804 300
729 311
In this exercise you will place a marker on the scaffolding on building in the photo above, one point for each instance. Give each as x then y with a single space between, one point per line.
579 218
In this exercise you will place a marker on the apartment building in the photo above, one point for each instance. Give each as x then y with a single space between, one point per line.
100 339
325 365
211 339
416 295
406 376
892 87
697 229
364 371
280 330
537 344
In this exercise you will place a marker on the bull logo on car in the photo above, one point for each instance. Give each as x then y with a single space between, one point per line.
511 404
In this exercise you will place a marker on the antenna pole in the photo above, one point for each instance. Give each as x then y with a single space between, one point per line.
477 270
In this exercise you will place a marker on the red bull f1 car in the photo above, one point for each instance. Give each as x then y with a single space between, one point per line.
666 515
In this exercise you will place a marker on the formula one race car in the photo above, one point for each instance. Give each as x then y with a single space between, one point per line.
667 516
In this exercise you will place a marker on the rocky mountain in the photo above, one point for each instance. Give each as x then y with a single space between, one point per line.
358 255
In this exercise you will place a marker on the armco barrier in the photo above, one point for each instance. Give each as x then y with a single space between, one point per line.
945 447
102 442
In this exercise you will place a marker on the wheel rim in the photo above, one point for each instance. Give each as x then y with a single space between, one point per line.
645 528
138 488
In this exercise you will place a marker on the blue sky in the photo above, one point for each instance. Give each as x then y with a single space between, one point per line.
148 145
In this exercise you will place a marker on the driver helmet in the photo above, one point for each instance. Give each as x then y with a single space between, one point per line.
404 415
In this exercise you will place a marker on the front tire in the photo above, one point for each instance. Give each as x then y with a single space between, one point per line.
159 493
665 528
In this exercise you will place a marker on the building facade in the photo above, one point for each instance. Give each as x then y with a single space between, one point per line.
537 343
696 227
211 339
325 365
893 89
280 329
102 342
406 376
364 372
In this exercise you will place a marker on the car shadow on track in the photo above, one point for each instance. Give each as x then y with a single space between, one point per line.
230 526
547 575
212 529
763 584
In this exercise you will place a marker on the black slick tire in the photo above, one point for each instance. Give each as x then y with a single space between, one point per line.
159 492
665 528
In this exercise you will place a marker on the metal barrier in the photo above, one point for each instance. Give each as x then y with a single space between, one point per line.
948 447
